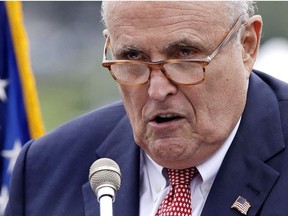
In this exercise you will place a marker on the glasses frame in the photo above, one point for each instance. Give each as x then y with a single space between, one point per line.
159 65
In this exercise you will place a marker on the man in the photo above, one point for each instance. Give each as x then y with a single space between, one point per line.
190 99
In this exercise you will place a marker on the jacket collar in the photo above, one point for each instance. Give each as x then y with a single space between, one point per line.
245 171
120 147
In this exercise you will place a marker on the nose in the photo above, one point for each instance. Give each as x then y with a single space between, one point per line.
160 86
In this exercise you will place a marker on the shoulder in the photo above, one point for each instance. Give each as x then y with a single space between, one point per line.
279 91
82 134
104 118
280 88
63 157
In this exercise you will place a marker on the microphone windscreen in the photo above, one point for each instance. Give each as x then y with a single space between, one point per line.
105 172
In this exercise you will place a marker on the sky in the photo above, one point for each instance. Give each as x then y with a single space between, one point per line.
273 58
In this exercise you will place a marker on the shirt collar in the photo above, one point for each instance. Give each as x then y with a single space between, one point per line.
156 179
210 167
207 169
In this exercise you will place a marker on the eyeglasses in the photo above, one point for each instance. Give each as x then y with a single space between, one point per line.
178 71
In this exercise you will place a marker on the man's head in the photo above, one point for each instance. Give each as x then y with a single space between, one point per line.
180 126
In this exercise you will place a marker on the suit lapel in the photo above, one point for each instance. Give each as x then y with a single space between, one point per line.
245 171
120 147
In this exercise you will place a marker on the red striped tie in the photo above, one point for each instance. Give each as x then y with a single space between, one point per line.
178 200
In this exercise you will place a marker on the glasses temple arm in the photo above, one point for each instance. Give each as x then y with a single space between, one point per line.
228 37
107 44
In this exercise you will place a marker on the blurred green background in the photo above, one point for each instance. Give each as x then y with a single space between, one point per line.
66 46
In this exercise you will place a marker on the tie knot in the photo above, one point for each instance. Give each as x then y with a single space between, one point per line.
180 176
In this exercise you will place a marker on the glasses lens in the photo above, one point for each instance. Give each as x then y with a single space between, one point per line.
185 72
129 73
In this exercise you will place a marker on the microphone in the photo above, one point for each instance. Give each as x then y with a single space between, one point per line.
105 180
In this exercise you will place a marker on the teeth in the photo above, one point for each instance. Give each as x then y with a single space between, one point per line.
168 116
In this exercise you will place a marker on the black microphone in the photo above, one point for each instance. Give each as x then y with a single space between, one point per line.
105 180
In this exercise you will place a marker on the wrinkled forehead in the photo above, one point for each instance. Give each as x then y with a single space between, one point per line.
152 26
133 11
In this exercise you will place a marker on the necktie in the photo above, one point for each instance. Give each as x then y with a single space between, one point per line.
178 200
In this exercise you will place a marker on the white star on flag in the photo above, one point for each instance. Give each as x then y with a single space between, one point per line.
12 154
3 85
3 199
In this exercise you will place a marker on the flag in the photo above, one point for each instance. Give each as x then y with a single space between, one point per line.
20 118
242 205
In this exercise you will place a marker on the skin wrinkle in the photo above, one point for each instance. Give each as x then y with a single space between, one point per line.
203 51
230 45
210 110
234 10
164 13
198 22
189 22
209 45
218 26
198 40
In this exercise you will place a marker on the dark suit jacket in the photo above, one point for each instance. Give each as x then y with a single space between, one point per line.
51 174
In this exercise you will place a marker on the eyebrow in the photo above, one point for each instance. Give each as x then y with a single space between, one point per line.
128 48
182 43
169 48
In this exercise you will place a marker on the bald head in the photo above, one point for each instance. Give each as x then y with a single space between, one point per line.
156 32
231 9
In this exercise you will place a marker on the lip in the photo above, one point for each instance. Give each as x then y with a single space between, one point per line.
163 113
169 125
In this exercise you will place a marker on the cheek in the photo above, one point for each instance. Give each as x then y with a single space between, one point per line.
227 77
134 99
226 91
223 95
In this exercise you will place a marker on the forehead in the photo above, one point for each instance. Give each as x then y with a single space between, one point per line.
164 21
168 12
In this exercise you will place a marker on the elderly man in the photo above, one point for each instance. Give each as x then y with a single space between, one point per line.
191 104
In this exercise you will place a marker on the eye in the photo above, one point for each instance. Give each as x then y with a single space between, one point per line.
185 52
133 55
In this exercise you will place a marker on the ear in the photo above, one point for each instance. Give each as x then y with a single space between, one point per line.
251 41
105 33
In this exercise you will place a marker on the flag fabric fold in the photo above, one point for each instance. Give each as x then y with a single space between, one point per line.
20 117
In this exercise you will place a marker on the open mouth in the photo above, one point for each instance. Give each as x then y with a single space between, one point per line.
166 118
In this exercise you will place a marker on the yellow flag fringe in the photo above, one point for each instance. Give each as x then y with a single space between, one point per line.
20 43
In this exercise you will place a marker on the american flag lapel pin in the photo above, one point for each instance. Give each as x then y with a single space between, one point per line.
242 205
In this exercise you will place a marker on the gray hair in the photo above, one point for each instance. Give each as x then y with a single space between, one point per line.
237 8
234 10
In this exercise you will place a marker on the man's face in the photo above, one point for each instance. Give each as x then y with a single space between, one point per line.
179 126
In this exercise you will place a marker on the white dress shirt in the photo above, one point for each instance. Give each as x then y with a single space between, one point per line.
154 186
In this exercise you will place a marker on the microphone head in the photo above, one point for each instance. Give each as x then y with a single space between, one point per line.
104 172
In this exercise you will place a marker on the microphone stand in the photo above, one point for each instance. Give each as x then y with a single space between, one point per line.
106 197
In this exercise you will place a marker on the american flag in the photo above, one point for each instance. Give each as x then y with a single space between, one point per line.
242 205
20 118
